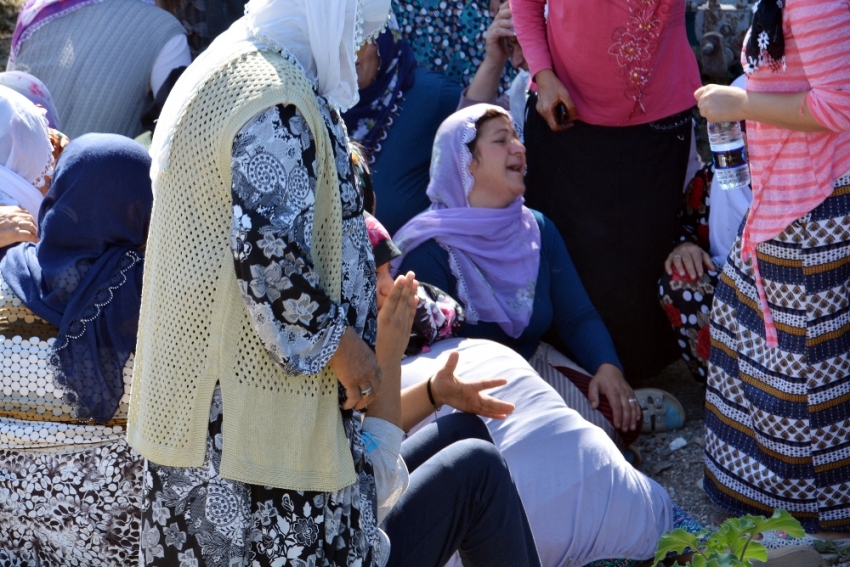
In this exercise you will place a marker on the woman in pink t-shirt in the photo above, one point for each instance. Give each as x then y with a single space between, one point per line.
778 409
610 173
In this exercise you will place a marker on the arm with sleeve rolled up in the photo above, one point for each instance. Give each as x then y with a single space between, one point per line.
395 410
530 23
820 31
382 433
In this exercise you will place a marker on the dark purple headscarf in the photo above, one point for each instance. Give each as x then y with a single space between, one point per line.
369 121
493 253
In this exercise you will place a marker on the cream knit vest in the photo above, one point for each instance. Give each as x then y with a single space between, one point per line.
97 63
194 329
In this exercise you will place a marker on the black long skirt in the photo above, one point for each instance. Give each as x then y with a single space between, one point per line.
615 193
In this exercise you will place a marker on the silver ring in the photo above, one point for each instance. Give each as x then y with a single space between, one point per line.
367 392
677 255
633 400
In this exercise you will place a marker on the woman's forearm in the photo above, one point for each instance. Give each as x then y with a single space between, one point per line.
485 85
387 404
785 110
415 405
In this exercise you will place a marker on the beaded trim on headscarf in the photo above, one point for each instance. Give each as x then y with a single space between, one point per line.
370 120
766 41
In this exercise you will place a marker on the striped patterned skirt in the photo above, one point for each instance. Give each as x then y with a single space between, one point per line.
778 420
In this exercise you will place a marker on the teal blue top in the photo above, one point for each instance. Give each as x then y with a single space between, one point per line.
400 172
559 298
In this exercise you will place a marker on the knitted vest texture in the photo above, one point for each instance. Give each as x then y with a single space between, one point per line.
97 63
194 328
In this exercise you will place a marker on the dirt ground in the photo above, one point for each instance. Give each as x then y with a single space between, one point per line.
680 471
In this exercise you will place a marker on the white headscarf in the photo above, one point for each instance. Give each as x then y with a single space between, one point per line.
323 36
26 155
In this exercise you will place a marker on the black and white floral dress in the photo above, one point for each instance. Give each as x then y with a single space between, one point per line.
192 516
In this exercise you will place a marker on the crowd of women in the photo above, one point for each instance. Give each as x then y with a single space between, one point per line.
215 353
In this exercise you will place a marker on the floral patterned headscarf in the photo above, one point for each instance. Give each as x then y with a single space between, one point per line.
766 41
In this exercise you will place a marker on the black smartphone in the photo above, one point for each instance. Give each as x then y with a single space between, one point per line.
561 113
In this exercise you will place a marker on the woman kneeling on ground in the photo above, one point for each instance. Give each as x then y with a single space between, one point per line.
509 268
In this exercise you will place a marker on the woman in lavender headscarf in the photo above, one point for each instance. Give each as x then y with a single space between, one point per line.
510 269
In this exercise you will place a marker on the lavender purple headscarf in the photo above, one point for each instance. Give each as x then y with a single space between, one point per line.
493 253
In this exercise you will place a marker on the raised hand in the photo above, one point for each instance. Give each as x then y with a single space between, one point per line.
468 395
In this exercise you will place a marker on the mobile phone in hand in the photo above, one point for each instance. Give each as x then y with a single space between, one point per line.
561 113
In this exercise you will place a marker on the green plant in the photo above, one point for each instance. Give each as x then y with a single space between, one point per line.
730 546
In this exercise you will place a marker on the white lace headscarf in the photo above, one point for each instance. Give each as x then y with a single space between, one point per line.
26 155
323 36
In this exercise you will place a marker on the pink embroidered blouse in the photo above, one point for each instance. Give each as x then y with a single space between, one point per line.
624 62
793 172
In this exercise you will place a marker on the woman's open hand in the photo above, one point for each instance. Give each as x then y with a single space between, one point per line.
610 382
688 258
395 320
469 395
551 92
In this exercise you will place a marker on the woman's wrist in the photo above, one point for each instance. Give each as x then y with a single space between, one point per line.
545 77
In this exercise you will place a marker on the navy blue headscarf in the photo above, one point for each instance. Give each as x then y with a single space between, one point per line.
369 121
85 275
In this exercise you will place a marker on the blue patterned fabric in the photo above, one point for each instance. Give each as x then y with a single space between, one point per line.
85 275
777 419
448 35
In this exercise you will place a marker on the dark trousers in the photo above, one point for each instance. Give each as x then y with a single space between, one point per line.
614 193
461 498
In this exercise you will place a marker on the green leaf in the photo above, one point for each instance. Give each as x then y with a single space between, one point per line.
722 541
724 560
755 550
698 561
675 541
781 520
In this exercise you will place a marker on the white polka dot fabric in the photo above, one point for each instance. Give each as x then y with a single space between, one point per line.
33 414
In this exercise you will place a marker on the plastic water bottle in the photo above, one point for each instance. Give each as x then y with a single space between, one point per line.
730 155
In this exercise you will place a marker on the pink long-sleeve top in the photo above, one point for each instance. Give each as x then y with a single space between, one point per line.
624 62
793 172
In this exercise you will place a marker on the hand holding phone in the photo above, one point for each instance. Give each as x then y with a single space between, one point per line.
561 114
